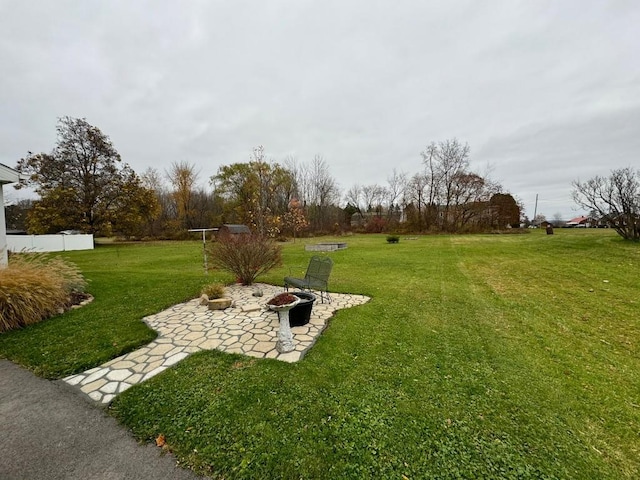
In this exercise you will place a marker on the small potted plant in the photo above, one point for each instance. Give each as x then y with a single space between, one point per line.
213 295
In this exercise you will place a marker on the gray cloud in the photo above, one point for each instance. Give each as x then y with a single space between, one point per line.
544 92
547 158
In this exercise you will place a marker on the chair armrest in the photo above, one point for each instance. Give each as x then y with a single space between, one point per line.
296 282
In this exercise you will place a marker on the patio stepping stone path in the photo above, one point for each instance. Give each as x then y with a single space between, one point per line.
247 327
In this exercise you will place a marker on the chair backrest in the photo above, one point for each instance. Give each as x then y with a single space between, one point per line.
319 268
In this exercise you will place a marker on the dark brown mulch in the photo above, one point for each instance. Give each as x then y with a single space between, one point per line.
282 299
76 298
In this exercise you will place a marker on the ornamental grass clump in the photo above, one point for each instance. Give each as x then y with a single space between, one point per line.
245 256
34 287
213 291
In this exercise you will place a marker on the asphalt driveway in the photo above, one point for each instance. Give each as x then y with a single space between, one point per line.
48 431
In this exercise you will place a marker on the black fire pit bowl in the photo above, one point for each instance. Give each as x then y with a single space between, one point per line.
300 314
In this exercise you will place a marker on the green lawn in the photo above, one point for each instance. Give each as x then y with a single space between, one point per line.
128 282
488 356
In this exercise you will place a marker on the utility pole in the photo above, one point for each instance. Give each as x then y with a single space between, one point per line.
535 211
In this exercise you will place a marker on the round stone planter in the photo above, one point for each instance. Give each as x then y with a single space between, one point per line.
301 313
219 303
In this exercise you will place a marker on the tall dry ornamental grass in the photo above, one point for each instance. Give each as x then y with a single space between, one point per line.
34 287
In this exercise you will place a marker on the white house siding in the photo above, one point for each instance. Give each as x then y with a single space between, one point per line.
7 175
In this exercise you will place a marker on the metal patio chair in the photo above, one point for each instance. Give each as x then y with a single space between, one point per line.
316 278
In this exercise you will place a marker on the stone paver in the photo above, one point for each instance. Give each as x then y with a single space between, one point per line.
246 327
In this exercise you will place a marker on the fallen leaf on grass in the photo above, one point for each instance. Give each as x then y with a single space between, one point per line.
160 441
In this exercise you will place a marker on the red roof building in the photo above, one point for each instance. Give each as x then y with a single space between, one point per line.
580 222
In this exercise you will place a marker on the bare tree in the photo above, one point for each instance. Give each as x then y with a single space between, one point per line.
372 196
323 192
416 193
354 197
450 196
152 179
396 191
207 210
470 195
397 187
183 177
300 177
445 163
615 198
453 160
557 219
316 189
432 181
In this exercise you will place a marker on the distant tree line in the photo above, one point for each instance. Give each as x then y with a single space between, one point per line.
84 185
446 196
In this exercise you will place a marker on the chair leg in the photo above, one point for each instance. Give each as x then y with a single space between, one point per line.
323 294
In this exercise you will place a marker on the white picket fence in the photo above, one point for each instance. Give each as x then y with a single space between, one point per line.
49 243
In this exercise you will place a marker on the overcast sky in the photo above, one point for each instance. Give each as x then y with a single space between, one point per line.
544 92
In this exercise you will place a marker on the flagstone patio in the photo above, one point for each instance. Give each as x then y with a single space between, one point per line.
247 327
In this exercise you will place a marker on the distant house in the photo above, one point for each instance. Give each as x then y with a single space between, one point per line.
360 219
7 175
581 222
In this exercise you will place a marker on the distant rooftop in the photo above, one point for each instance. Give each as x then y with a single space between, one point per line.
234 228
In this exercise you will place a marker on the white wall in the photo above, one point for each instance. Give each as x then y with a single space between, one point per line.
49 243
3 232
